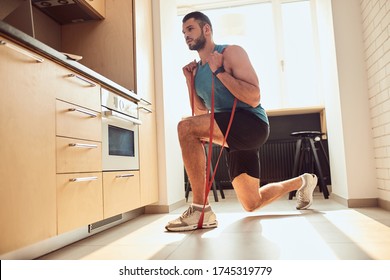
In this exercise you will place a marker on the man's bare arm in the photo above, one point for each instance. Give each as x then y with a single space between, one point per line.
239 77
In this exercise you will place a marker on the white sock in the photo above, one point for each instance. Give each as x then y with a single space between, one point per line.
200 205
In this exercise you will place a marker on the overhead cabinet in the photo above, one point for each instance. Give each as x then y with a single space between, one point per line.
106 46
72 11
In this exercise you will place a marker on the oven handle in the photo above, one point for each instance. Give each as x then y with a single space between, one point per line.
122 117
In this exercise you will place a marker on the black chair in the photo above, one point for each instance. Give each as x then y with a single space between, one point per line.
308 150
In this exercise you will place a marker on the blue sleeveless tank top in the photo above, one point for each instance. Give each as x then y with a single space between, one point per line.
223 98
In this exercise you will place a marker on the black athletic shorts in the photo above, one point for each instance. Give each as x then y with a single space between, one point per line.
247 134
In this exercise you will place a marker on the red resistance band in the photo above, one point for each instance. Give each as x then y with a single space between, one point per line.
210 180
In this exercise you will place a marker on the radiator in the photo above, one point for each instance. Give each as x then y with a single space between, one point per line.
277 160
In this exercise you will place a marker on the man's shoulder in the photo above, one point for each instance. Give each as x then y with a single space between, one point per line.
233 48
234 52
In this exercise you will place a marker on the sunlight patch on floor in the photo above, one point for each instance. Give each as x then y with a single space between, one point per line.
296 238
369 234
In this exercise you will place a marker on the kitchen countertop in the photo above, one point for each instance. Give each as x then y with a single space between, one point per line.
22 38
295 111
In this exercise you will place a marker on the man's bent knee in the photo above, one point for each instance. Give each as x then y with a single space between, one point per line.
183 128
247 190
251 206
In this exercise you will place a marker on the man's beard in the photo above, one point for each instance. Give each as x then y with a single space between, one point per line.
199 43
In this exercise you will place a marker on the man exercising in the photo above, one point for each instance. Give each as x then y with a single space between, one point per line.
234 78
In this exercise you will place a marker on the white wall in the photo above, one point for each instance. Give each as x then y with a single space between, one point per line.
376 36
332 98
353 133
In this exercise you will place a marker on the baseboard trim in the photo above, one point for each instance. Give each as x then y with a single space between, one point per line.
356 203
162 209
385 204
44 247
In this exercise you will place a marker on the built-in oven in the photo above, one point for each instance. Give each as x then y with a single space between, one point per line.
119 132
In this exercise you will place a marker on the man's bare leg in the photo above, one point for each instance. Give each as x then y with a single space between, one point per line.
252 197
191 132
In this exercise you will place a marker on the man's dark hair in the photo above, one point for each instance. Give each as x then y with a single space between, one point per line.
201 18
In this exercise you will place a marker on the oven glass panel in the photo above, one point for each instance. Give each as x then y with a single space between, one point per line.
120 141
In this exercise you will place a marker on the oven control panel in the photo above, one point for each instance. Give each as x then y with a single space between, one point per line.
113 101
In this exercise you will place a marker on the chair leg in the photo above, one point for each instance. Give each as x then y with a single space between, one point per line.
221 191
297 157
188 186
319 170
296 164
213 184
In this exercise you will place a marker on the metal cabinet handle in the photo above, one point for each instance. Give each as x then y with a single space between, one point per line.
145 109
83 179
92 115
22 51
145 101
83 79
82 145
125 176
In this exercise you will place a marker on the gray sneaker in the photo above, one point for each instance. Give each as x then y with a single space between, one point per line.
305 193
190 218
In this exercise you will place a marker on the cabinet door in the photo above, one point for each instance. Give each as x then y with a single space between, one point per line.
76 89
148 158
145 89
27 165
75 155
77 122
80 200
121 192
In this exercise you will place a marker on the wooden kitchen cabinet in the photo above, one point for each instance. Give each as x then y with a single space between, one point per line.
148 158
78 152
27 165
75 155
76 89
147 109
97 6
78 122
121 48
79 199
121 192
106 46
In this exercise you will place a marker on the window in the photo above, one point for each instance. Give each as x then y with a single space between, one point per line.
279 37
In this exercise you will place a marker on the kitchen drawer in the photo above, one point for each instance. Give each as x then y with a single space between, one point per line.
77 122
76 89
74 155
121 192
79 200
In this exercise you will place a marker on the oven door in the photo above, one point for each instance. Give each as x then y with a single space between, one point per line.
119 142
